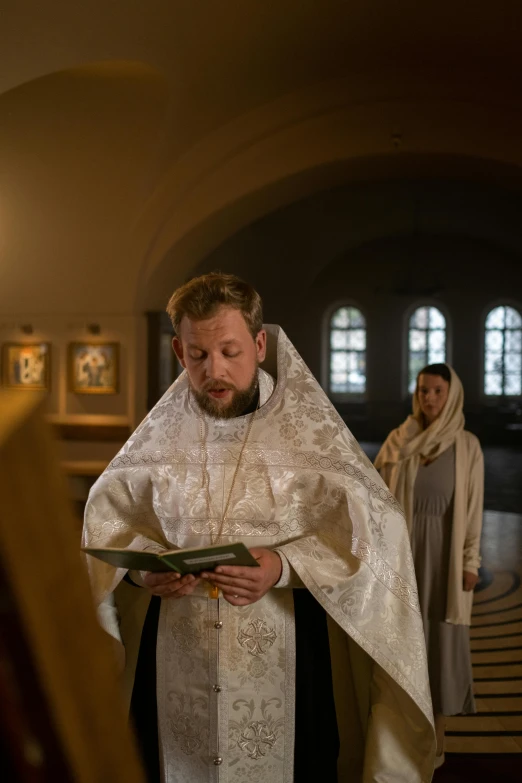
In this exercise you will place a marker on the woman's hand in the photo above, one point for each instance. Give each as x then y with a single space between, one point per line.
469 581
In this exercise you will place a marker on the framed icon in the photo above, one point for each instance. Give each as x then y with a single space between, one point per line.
94 368
26 366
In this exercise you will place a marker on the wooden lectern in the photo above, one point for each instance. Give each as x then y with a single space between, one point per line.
62 718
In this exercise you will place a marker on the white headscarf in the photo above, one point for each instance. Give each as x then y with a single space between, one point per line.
400 456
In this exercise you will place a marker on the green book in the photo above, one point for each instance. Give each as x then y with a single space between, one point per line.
184 561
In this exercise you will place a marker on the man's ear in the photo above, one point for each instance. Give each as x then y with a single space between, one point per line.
261 345
178 350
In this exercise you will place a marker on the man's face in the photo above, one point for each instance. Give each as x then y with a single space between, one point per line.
221 358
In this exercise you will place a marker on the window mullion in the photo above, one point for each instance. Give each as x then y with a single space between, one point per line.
503 357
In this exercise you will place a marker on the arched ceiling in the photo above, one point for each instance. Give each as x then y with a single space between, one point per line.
229 56
136 134
294 248
74 152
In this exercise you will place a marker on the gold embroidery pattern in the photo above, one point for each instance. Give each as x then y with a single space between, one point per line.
258 638
390 632
188 724
185 635
186 734
257 739
289 664
253 456
390 579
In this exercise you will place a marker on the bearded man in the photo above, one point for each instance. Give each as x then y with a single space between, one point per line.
312 664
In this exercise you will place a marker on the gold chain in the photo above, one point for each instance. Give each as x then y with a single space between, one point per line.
214 591
206 477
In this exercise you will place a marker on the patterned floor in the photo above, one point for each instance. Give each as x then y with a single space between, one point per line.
496 645
488 745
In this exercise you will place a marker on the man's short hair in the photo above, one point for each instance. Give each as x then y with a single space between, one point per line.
202 296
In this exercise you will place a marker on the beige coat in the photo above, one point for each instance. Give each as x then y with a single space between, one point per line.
467 525
467 520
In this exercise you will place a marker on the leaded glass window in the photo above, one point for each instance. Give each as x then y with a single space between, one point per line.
503 354
426 341
347 351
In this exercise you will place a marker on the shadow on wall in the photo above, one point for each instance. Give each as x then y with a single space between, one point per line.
388 247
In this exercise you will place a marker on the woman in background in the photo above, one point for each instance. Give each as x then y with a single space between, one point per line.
435 469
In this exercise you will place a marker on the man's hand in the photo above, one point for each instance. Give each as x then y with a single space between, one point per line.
170 585
469 581
244 585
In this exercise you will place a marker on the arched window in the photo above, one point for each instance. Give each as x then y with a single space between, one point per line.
426 341
347 352
503 355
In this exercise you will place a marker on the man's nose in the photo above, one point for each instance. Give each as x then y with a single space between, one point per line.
214 367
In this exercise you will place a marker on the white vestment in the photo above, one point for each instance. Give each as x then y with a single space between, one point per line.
304 487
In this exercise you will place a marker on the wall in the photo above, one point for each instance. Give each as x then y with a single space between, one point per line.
387 247
90 428
76 149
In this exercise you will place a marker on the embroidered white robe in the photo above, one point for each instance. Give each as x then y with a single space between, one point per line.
305 488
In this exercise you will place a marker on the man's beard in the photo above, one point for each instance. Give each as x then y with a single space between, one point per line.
240 401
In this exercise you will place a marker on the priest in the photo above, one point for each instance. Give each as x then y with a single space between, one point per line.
311 664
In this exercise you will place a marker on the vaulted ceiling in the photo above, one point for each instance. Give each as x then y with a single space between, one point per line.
135 137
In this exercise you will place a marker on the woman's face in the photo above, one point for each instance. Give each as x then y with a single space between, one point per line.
432 391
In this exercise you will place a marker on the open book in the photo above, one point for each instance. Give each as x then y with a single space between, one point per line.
184 561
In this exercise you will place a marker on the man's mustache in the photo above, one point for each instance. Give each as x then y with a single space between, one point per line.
215 386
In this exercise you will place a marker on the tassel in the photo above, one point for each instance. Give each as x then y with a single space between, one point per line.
213 592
